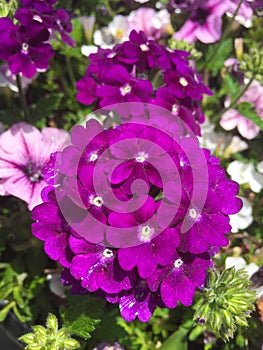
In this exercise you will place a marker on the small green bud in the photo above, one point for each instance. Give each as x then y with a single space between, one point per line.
226 302
28 338
52 323
71 344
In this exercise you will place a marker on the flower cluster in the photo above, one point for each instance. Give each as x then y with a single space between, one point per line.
141 70
26 45
142 234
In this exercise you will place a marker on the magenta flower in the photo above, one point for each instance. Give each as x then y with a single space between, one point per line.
125 73
233 119
204 23
51 18
147 244
25 48
120 87
178 281
24 150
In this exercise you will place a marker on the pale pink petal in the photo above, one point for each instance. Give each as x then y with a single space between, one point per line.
19 186
36 194
3 191
187 32
247 128
229 119
7 169
210 32
52 140
19 143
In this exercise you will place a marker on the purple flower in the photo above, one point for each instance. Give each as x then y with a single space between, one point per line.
204 23
125 74
151 252
119 87
97 267
50 18
179 280
24 150
139 50
25 48
135 214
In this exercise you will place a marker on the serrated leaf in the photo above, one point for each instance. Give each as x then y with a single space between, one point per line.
44 106
216 61
177 340
248 111
80 319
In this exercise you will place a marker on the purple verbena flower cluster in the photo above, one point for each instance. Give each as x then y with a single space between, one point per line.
26 46
141 235
141 70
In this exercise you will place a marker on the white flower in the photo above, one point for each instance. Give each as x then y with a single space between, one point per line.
240 263
243 218
223 143
119 28
245 174
86 50
88 26
260 167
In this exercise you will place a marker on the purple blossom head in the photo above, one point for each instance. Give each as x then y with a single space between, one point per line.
51 18
25 48
126 72
137 209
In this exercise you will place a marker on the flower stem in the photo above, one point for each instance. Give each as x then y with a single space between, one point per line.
233 103
70 72
22 98
224 35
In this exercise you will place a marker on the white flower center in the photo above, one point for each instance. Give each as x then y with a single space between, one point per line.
193 213
183 81
97 201
93 157
174 109
107 253
37 18
178 263
146 233
144 47
125 90
25 47
142 156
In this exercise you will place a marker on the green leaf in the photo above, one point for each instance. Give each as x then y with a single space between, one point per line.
5 310
45 106
215 63
248 111
177 341
80 319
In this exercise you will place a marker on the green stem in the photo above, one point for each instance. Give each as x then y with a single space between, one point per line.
224 35
22 97
71 73
233 103
107 5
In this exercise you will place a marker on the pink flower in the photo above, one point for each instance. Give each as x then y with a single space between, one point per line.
245 12
24 150
153 24
232 118
204 23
